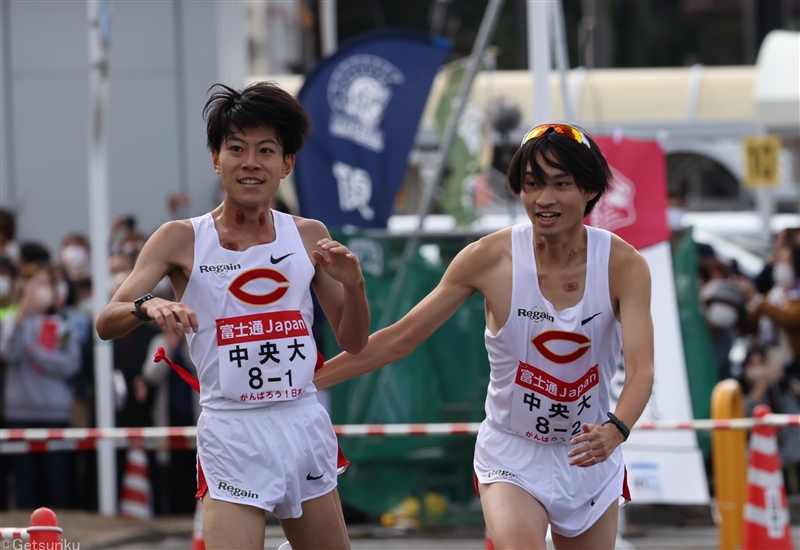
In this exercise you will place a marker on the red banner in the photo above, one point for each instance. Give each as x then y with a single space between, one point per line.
636 207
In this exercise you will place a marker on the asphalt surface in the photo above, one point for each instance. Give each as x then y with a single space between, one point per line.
86 531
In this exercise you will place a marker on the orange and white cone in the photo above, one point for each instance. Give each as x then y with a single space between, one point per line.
198 542
766 513
136 501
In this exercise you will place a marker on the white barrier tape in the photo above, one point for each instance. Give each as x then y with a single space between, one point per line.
34 440
407 429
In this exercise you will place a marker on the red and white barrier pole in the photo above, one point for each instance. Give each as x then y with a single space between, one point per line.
39 440
43 533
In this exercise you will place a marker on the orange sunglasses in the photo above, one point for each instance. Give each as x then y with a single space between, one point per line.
563 129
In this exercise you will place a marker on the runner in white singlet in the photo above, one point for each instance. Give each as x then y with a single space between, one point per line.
562 300
242 274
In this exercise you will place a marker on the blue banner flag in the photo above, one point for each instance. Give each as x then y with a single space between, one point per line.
365 102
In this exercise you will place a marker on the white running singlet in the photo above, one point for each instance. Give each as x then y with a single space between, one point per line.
254 311
551 370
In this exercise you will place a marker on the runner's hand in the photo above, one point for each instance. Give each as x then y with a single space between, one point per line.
338 262
598 444
171 316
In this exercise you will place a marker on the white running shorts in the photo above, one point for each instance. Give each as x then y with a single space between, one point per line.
273 458
574 498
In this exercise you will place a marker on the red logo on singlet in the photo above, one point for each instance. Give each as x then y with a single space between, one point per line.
237 286
541 341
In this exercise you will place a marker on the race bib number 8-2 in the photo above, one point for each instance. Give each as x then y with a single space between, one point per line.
550 410
265 357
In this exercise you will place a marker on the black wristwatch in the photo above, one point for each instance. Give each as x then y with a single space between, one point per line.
625 430
138 313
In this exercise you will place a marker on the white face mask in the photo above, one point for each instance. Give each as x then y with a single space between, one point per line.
5 286
783 275
75 256
720 315
43 298
675 216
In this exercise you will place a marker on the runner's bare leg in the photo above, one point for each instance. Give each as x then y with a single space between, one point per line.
515 519
321 526
228 526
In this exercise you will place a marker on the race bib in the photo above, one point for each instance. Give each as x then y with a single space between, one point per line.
265 357
550 410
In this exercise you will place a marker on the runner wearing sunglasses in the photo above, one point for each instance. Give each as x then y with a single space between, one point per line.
562 301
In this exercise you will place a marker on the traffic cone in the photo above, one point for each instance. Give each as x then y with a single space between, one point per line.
44 531
766 514
136 502
198 542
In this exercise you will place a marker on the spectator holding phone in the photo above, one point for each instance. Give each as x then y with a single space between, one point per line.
42 351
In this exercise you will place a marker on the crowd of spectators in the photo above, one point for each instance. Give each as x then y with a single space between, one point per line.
754 326
47 372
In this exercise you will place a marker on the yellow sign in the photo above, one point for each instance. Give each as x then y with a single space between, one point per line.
761 161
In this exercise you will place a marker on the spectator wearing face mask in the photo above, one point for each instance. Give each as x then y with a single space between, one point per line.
785 238
724 307
42 351
775 318
75 256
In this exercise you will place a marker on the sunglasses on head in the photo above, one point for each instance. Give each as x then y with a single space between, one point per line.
563 129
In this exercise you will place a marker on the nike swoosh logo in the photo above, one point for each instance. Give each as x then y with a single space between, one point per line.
589 318
592 502
309 477
275 260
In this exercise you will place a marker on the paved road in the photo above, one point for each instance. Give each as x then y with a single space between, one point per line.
651 538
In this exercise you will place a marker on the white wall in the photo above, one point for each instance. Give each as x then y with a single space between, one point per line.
49 74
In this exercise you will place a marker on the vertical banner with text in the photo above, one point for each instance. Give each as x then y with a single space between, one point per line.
365 102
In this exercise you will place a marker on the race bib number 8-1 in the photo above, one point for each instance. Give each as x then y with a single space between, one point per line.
265 357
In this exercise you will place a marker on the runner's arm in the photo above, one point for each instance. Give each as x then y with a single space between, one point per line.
633 282
400 339
338 284
155 261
